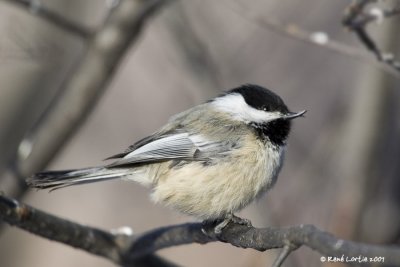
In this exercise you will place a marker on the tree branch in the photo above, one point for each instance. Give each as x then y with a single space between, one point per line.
128 250
85 86
95 241
82 89
284 254
36 8
80 92
318 39
357 18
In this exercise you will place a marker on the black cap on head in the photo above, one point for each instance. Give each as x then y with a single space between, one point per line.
261 98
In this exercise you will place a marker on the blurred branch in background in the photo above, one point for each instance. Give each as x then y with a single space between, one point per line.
320 39
367 115
357 17
193 48
83 88
361 170
36 8
126 250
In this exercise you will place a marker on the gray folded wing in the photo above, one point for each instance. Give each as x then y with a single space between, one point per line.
175 146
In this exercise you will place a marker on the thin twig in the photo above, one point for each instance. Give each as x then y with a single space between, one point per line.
36 8
297 33
356 19
82 89
88 82
283 255
126 250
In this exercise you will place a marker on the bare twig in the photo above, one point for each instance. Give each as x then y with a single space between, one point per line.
92 240
357 18
81 91
36 8
89 81
126 250
283 255
319 39
356 15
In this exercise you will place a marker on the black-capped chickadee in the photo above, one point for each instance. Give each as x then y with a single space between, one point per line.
209 161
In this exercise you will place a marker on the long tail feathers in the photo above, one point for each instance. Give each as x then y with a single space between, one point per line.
59 179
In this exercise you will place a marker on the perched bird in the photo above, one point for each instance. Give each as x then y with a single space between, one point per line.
209 161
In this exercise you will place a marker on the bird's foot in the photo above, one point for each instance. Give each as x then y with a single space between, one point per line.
241 221
230 218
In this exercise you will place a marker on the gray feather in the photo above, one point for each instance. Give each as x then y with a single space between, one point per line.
60 179
177 146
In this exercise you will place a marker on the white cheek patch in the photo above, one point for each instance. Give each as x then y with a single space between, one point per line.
236 106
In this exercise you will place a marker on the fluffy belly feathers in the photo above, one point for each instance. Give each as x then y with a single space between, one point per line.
210 192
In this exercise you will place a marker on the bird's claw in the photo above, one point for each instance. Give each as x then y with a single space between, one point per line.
230 219
241 221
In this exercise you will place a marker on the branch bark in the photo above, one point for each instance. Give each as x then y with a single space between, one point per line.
128 250
80 92
95 241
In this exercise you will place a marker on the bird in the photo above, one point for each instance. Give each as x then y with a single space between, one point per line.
209 161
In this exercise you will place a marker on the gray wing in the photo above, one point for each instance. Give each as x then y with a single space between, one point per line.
181 146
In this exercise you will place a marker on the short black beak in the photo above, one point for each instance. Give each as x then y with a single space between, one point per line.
292 115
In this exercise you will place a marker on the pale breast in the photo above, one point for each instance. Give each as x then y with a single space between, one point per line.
212 191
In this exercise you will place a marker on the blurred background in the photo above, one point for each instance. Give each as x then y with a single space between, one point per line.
342 166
